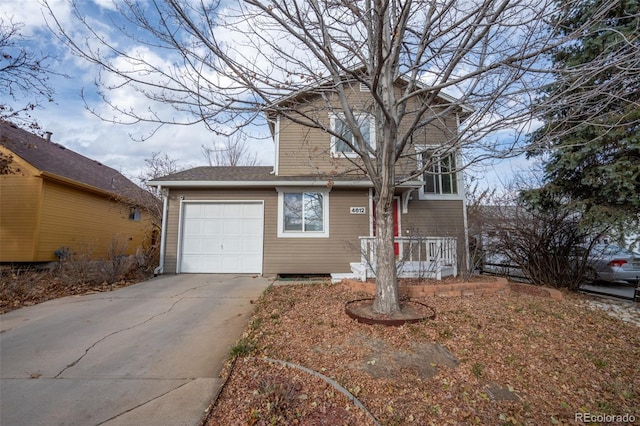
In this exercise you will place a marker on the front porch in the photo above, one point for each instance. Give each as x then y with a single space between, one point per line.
417 257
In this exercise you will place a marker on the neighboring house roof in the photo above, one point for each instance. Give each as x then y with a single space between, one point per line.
56 160
251 176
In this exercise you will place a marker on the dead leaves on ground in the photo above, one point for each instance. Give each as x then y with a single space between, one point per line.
522 360
28 288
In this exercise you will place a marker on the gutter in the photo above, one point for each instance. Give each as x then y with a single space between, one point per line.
274 183
163 232
269 183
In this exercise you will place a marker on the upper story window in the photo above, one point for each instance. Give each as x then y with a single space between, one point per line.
440 178
303 213
339 147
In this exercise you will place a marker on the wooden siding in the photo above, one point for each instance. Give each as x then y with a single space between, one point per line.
306 151
436 218
20 198
85 221
324 255
286 255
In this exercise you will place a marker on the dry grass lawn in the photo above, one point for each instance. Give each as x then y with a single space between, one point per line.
499 359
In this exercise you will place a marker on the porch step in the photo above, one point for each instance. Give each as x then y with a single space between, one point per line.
337 277
359 270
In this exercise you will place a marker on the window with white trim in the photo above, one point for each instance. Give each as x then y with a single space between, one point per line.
303 213
440 177
338 124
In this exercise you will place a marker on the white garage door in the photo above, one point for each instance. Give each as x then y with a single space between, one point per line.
221 237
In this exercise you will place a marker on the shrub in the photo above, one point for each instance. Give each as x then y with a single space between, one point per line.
118 263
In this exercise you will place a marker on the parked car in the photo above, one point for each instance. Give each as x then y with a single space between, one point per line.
614 264
606 263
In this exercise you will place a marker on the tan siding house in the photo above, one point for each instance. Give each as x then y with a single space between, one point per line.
52 197
312 212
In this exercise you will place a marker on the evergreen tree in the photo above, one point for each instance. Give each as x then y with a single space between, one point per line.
591 134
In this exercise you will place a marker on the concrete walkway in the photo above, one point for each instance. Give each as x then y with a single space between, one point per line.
148 354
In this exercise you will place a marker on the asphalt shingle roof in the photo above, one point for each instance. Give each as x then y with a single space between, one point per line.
244 174
56 159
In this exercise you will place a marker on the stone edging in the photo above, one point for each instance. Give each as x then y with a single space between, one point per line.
499 286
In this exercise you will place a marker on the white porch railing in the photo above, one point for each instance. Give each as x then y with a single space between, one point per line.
418 257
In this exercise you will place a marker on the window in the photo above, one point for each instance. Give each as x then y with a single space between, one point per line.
338 125
440 178
134 214
302 213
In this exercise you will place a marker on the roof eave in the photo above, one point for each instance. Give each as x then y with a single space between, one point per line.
411 184
90 188
271 107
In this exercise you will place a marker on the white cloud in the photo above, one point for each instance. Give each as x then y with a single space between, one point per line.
112 145
106 4
28 13
74 127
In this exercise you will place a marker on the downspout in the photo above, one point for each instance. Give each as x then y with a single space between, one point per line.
163 232
464 209
466 234
276 139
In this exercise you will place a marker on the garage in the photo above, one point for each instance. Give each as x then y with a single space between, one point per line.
221 237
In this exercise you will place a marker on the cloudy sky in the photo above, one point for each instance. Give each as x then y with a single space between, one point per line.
73 126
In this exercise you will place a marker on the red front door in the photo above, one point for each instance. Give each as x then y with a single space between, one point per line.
396 226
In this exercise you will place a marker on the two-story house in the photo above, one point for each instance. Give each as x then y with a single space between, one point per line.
312 212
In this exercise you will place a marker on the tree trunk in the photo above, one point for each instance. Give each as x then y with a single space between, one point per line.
386 300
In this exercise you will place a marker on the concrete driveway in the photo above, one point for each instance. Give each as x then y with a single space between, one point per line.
148 354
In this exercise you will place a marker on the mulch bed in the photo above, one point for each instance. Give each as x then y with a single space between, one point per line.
410 312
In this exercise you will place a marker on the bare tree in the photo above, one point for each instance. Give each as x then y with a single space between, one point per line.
160 164
150 198
426 63
232 152
24 76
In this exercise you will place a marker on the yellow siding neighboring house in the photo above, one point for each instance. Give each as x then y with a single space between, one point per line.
86 221
44 210
20 201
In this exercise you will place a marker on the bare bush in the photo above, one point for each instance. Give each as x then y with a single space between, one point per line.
80 266
148 253
118 263
79 263
476 199
550 244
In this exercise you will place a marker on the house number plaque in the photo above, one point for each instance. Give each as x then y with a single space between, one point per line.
358 210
